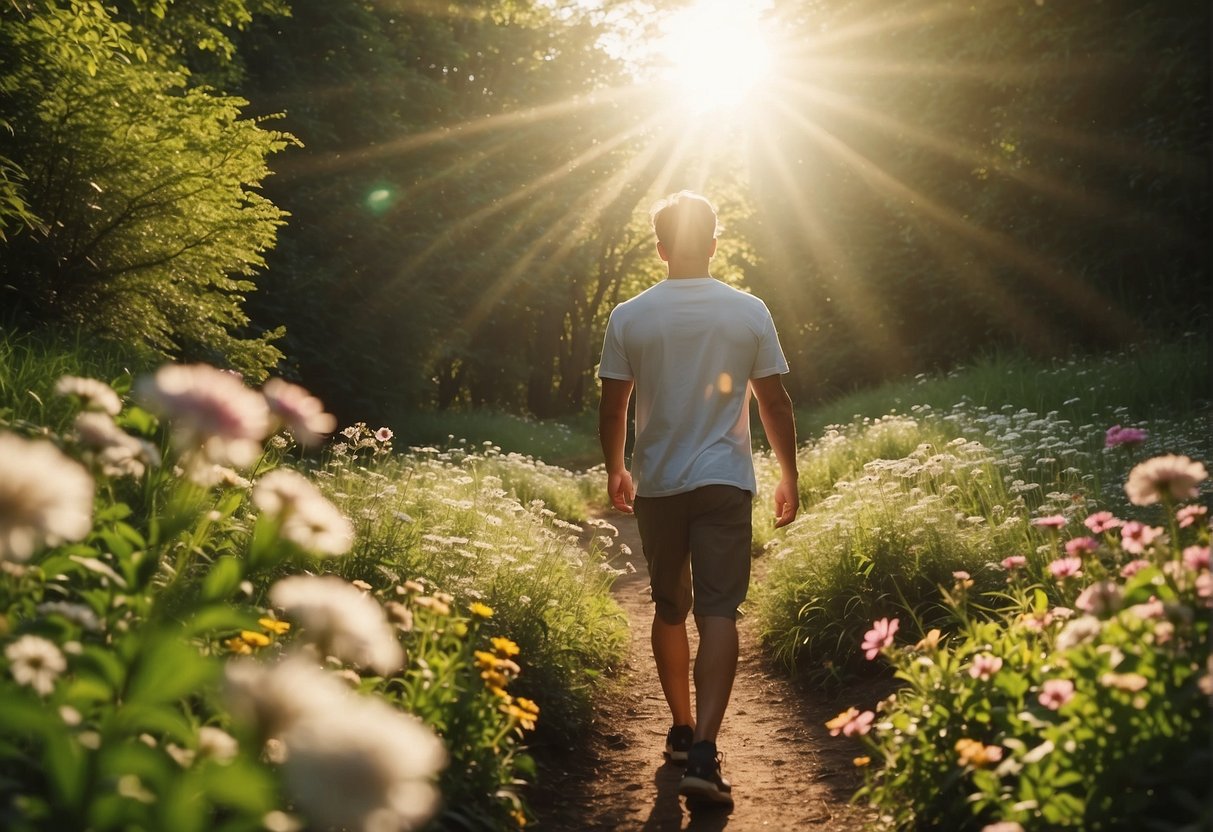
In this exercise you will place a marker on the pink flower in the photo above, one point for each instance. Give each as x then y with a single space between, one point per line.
1131 682
298 411
1151 610
1135 537
210 411
851 723
1197 558
1053 521
1036 621
1166 477
384 434
1100 598
1013 562
1133 567
1101 521
984 666
1064 568
1080 546
1188 515
879 637
1204 587
1117 436
1056 692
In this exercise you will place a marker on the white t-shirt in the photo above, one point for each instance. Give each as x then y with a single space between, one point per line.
691 345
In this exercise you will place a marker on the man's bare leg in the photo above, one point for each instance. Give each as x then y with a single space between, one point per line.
715 668
673 656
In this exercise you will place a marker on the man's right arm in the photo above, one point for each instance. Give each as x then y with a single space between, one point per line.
779 422
612 433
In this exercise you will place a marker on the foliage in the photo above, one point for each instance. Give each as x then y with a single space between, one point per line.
1081 703
149 226
128 696
892 506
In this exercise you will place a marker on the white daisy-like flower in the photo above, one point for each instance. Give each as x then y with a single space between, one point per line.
1078 631
306 516
46 498
1170 476
217 744
272 698
118 453
340 620
298 411
371 769
96 395
35 662
211 412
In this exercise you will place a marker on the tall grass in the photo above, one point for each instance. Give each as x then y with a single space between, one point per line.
893 505
570 443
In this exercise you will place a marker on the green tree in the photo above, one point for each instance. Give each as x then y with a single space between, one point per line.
149 227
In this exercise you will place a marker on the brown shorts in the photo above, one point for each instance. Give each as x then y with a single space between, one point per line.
697 546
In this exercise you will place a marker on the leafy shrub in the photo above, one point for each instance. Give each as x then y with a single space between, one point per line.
1082 702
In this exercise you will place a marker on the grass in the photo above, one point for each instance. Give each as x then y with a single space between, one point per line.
894 504
570 443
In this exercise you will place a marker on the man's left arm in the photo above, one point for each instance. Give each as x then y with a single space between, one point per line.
612 433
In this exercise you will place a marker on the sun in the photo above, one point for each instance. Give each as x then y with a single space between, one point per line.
715 53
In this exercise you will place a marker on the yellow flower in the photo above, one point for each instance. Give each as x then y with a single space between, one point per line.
494 679
842 719
254 639
505 647
519 817
501 693
527 705
526 719
480 610
860 762
459 629
930 641
273 625
487 661
239 646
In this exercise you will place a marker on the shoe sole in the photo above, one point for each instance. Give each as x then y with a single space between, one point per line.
679 757
704 792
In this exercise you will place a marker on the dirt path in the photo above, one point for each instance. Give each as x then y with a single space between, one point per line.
787 772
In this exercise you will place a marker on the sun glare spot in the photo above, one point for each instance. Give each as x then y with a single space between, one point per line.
715 52
379 200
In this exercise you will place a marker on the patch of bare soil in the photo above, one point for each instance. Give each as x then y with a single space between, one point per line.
787 771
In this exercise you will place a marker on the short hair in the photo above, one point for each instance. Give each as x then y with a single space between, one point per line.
685 223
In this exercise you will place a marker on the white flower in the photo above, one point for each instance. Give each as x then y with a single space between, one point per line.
96 395
340 620
1165 477
217 744
211 411
370 769
119 453
76 613
35 662
1079 631
299 411
307 518
348 761
45 497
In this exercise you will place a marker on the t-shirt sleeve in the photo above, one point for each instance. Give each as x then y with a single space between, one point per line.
614 362
770 359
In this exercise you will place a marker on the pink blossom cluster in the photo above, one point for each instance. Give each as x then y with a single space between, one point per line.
1118 436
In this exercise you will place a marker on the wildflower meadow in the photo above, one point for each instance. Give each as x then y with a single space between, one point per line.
211 622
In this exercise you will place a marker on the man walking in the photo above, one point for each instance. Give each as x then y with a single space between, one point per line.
692 348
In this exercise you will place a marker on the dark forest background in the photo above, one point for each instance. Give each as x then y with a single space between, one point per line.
414 205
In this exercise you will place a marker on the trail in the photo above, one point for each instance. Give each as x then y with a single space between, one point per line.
787 772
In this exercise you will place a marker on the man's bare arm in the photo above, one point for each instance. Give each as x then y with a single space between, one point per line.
612 433
779 422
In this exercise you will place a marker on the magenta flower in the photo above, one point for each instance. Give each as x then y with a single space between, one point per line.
1080 546
1013 562
1135 536
1196 558
1053 521
1133 567
1189 515
1056 692
1117 436
1064 568
1101 521
984 666
879 637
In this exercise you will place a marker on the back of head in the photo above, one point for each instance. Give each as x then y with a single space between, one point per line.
685 224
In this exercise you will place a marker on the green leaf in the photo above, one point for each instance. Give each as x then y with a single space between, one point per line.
225 575
220 618
168 669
